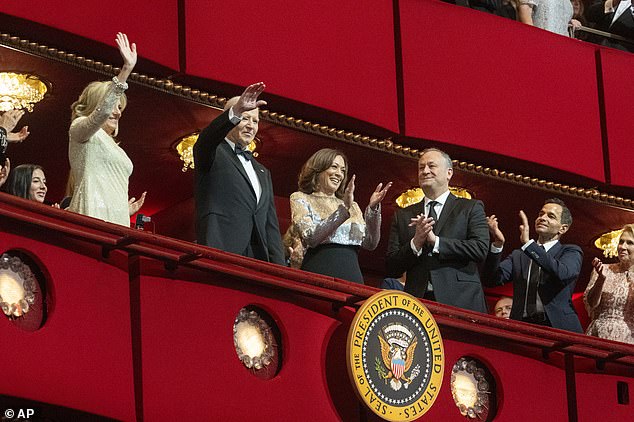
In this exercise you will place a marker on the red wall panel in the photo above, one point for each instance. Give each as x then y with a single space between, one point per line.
190 367
153 26
597 396
334 55
479 81
82 357
618 88
518 372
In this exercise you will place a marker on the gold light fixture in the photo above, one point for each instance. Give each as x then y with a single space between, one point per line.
17 286
253 339
185 149
608 243
472 389
20 91
415 195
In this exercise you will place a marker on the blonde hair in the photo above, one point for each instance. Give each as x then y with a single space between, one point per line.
91 97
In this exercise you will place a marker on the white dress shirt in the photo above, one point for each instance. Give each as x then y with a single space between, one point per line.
247 164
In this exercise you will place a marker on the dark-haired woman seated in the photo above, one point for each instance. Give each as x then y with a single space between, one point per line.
330 224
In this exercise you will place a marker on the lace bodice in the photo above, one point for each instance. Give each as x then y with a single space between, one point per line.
324 219
613 317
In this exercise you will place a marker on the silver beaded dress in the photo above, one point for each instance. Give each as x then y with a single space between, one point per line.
99 167
332 235
613 317
551 15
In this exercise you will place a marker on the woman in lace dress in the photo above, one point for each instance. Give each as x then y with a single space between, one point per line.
329 222
551 15
609 297
99 167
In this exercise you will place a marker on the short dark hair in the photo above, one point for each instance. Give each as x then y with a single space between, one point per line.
566 216
19 181
318 162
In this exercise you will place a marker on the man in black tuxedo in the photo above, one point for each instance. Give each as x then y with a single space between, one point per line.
616 17
235 207
543 273
440 240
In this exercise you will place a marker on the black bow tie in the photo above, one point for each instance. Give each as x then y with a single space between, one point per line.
244 152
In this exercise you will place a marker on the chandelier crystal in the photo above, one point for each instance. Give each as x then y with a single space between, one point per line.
20 91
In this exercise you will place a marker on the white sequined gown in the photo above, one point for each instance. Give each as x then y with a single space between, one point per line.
613 317
551 15
100 168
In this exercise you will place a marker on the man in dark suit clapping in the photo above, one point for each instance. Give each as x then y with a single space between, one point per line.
440 240
235 207
543 273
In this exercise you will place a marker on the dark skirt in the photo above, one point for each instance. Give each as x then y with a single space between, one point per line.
340 261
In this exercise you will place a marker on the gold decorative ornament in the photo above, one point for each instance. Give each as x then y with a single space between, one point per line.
608 243
415 195
20 91
470 388
386 144
17 286
185 149
395 356
252 339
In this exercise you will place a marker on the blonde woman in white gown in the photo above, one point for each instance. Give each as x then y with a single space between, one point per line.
100 168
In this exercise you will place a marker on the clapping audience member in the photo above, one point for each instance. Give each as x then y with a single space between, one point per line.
440 240
551 15
503 307
543 272
8 121
100 168
28 181
609 297
329 221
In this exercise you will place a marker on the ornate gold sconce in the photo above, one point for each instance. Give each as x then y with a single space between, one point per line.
415 195
185 149
608 242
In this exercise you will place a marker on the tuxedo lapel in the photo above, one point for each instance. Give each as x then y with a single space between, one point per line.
261 173
235 161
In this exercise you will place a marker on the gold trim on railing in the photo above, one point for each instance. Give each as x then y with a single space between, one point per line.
386 145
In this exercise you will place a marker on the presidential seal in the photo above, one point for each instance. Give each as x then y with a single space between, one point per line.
395 356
